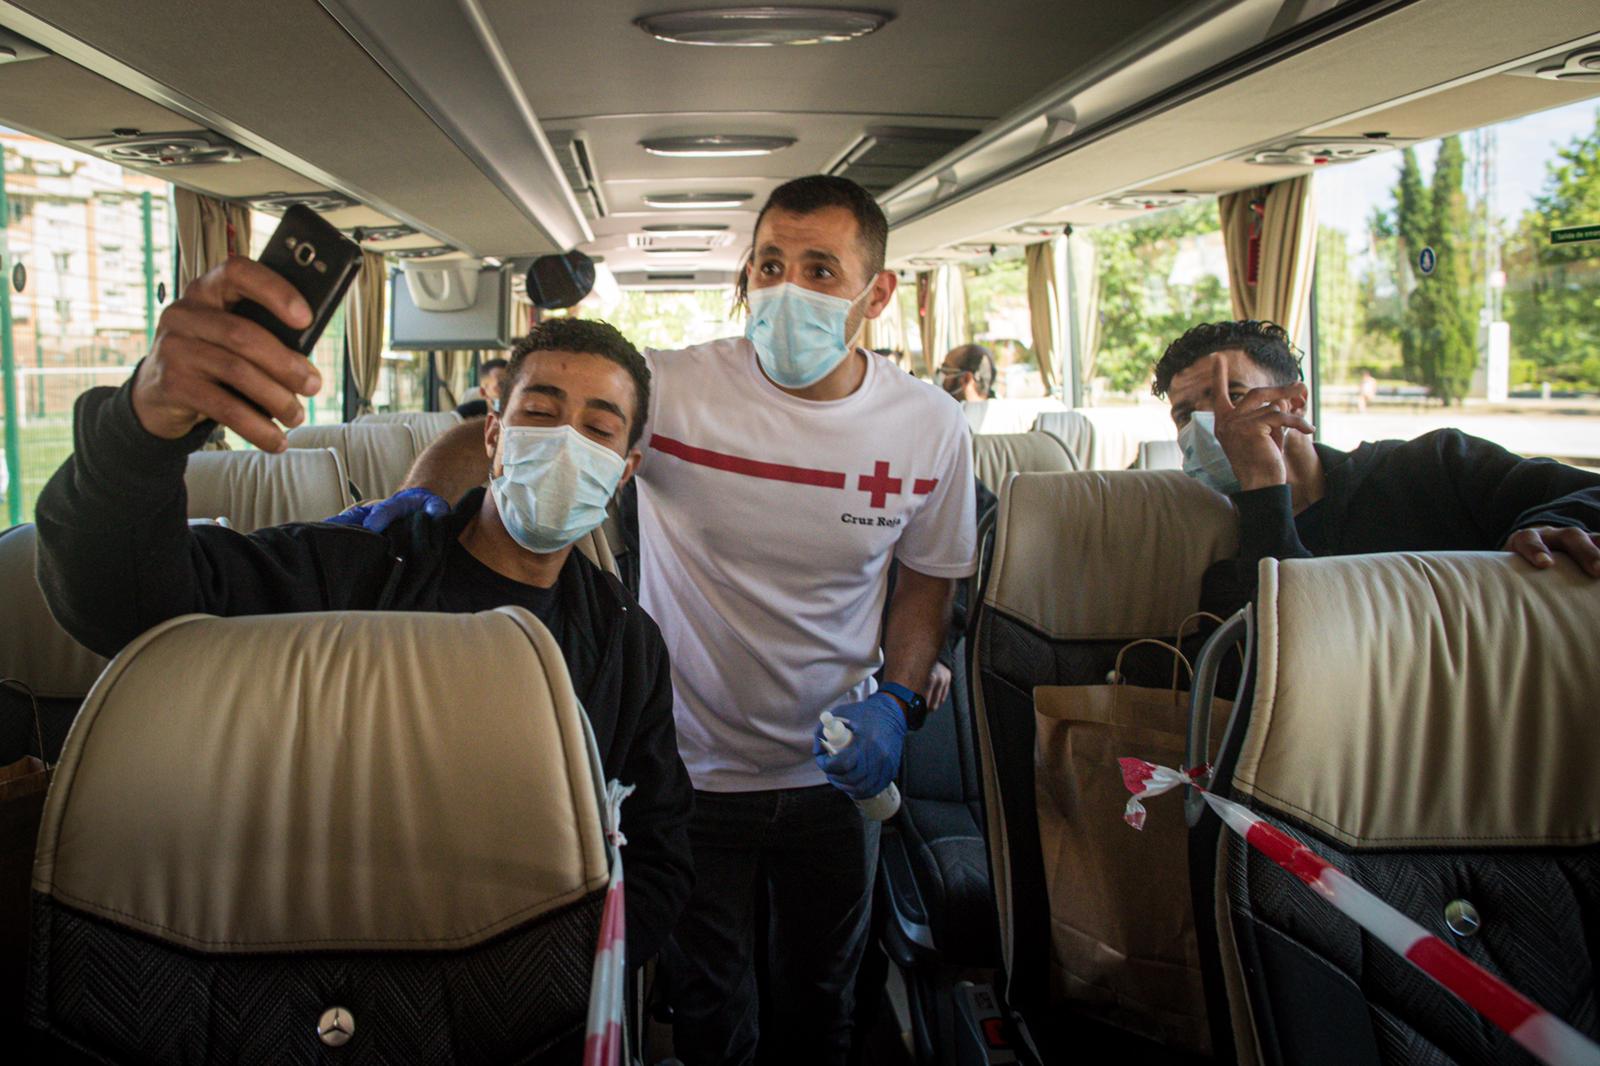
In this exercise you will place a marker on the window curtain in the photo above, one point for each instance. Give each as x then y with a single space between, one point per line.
888 330
1044 305
1283 220
925 313
1084 270
209 230
363 327
944 316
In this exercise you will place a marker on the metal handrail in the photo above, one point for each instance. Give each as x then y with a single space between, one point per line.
1239 626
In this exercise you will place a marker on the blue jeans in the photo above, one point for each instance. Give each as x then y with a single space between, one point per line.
812 856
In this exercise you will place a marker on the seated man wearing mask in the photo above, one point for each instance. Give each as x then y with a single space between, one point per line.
117 557
1239 405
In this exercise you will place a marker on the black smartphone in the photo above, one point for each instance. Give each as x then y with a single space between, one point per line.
319 261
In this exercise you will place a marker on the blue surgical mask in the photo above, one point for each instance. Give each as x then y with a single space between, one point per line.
1203 457
554 486
798 334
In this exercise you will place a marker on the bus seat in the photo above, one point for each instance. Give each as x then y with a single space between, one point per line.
36 651
256 489
1159 455
332 811
1427 724
376 455
997 455
426 426
1084 563
1072 429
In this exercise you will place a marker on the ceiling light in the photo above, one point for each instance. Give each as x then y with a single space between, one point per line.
688 229
714 146
702 201
675 251
762 27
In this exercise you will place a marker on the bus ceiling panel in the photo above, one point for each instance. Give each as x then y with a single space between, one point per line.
934 57
447 58
1485 102
285 80
60 99
1358 70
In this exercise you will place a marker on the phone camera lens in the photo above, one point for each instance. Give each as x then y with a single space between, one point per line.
305 254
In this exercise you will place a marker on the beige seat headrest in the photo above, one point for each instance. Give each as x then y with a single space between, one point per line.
327 781
34 649
1072 429
424 425
258 489
996 456
1159 455
1427 700
1102 555
377 455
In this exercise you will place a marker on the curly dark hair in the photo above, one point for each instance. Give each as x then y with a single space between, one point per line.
592 337
1266 343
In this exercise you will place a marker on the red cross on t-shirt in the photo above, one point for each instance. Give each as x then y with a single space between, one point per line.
880 485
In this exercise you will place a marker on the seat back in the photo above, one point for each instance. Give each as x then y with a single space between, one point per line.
424 425
996 456
377 455
1427 724
332 811
1084 563
257 489
36 651
1072 429
1159 455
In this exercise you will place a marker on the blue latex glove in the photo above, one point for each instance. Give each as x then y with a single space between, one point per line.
379 516
869 764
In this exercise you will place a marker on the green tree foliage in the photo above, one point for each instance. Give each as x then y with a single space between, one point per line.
1141 309
1338 307
1442 308
1413 218
1553 300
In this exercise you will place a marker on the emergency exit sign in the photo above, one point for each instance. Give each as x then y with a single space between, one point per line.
1575 234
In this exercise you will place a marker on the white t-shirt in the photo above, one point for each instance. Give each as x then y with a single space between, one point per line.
766 528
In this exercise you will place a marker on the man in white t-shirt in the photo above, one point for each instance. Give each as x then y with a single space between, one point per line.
784 471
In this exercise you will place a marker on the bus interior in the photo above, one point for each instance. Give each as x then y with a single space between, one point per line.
1032 149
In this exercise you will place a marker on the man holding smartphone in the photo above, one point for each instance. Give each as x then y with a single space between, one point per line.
117 555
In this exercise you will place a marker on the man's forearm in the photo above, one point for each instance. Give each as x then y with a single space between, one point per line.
454 464
919 616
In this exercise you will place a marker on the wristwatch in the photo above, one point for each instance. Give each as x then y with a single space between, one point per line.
916 708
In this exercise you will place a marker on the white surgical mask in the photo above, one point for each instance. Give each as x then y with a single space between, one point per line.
554 486
1203 457
798 334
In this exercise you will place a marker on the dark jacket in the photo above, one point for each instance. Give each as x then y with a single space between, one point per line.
116 556
1444 491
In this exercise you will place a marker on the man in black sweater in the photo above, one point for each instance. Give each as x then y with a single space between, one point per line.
116 555
1239 403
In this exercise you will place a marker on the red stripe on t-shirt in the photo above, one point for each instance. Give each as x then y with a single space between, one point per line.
734 464
924 485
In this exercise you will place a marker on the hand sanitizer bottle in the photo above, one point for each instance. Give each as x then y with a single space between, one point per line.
836 737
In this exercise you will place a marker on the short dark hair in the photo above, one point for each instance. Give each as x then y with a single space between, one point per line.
976 360
489 365
817 191
584 335
1266 343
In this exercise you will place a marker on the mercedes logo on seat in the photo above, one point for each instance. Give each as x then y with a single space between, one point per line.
336 1027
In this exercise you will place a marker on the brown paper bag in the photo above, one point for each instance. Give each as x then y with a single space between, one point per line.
1123 945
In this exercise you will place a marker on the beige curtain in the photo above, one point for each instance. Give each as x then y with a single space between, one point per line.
1086 296
925 311
1044 309
209 230
888 330
363 327
1288 246
944 320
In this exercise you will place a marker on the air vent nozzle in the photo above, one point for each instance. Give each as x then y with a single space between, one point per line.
1307 152
184 149
320 202
1146 201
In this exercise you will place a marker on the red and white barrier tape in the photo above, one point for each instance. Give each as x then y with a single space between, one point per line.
1546 1037
602 1044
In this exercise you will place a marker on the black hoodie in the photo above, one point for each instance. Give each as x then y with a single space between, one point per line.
117 556
1444 491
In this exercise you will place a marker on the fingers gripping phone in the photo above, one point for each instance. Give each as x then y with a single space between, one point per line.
319 261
